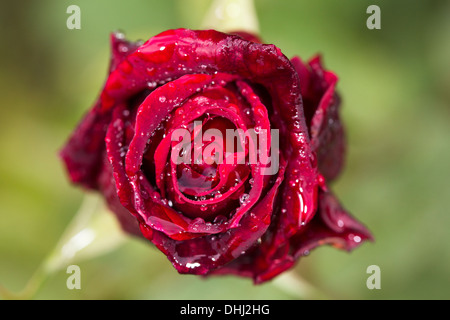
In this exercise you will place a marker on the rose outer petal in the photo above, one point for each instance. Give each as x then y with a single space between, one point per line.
332 225
322 104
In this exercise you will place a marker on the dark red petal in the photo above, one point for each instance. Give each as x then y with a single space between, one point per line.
121 48
201 255
116 145
333 225
107 186
328 136
137 194
247 36
82 154
322 104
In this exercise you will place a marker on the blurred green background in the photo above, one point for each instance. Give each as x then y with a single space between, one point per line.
396 95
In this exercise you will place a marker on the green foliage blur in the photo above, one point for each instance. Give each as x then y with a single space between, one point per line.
396 95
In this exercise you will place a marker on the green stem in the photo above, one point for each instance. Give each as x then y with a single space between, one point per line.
93 231
31 288
294 285
232 15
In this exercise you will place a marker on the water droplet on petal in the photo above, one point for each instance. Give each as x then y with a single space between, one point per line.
122 48
244 199
192 265
151 84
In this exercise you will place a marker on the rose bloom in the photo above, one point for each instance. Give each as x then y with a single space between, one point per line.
217 217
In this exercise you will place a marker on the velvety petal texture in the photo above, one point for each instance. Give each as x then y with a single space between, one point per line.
217 148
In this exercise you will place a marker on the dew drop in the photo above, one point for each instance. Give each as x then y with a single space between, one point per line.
156 195
151 84
244 199
151 71
192 265
122 48
119 35
356 239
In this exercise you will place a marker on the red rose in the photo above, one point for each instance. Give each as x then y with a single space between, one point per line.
250 203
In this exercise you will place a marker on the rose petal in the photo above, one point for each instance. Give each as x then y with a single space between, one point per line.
201 255
333 225
322 105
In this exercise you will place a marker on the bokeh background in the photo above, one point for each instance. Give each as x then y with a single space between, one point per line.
395 84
